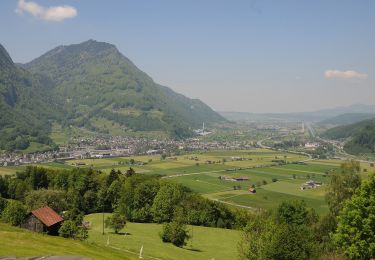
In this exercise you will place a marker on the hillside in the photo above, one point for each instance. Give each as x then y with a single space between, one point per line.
205 242
94 81
25 106
360 136
33 244
346 119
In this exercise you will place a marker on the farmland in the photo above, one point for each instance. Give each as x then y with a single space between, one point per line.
212 174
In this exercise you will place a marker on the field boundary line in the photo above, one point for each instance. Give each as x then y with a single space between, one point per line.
134 253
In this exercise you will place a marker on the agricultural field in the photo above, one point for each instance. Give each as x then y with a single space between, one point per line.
203 243
213 175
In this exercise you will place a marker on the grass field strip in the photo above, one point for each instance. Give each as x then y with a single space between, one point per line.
293 170
215 184
234 204
194 173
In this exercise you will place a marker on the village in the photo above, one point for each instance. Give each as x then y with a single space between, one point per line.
116 146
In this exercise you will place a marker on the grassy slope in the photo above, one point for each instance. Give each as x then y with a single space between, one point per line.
207 243
19 242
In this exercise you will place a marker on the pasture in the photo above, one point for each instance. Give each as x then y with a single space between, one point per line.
205 243
20 242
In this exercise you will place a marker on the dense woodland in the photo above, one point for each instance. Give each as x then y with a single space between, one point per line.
291 231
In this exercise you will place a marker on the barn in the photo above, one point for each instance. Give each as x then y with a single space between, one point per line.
43 220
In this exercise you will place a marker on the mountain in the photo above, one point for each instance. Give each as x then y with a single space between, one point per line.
25 115
346 119
313 116
360 136
93 81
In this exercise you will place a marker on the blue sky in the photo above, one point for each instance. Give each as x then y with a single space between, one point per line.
255 56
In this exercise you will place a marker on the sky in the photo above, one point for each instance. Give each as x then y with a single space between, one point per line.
234 55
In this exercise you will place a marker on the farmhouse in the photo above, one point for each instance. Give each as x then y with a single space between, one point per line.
228 178
310 185
43 220
252 190
241 179
80 163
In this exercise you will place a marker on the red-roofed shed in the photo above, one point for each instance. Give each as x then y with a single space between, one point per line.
44 220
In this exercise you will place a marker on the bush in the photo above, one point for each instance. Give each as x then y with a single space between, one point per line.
3 204
174 232
14 213
69 229
116 222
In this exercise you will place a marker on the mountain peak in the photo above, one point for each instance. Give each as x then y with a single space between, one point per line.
5 59
94 43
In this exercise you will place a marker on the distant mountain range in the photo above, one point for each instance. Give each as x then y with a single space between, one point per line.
346 119
81 84
314 116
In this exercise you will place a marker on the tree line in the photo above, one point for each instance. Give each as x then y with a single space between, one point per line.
133 197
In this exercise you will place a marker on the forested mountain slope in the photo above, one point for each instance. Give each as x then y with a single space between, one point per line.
360 136
81 84
25 106
94 80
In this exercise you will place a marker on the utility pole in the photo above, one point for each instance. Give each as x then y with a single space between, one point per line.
103 219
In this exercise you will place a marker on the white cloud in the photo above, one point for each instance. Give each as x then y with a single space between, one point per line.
53 13
348 74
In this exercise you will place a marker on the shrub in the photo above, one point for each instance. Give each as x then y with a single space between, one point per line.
70 229
116 222
174 232
14 213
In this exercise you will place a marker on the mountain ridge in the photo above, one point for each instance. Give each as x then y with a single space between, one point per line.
87 84
24 114
311 116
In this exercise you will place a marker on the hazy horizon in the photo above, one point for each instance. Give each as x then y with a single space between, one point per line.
243 56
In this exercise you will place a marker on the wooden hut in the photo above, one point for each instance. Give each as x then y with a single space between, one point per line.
43 220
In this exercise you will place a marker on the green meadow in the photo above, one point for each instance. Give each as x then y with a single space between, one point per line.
21 242
205 243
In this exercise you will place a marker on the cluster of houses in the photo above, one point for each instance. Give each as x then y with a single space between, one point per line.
16 159
117 146
312 145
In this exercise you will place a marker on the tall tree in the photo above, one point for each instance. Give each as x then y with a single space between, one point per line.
355 234
343 186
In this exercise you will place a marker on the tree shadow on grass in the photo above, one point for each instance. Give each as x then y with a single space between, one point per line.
194 249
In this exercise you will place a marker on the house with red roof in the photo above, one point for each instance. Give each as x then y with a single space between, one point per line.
43 220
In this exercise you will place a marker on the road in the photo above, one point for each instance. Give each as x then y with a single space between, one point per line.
311 130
